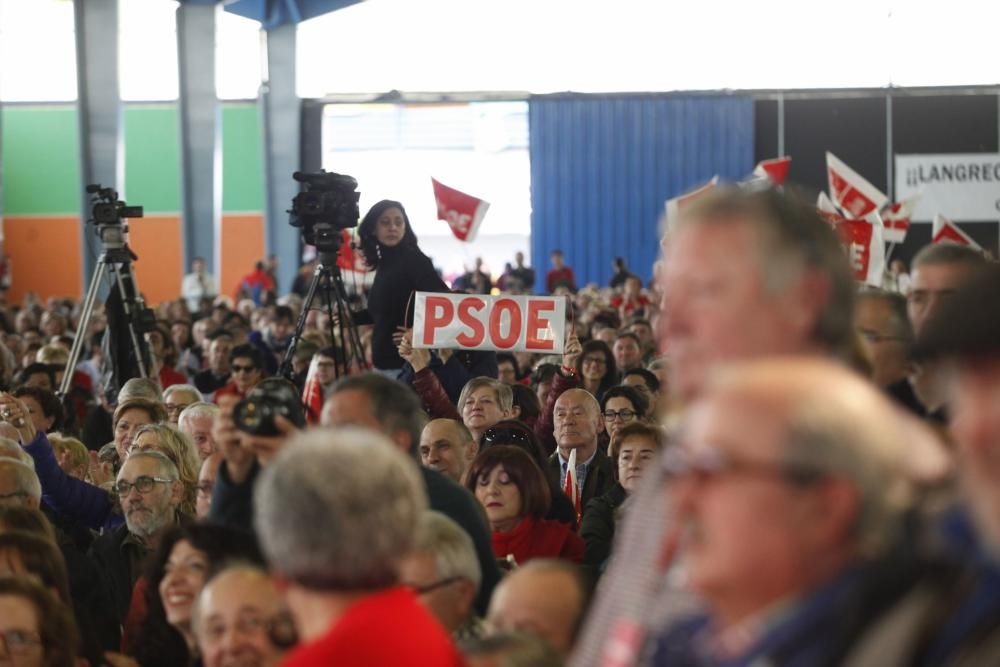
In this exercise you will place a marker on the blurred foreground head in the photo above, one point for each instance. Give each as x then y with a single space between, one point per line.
788 471
747 275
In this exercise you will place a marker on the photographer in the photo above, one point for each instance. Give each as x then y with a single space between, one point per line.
390 246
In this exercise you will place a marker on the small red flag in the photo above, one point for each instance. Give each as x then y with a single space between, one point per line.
463 213
850 191
946 231
312 393
774 170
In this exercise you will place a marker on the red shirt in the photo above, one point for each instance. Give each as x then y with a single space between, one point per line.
228 389
557 277
389 628
168 377
538 538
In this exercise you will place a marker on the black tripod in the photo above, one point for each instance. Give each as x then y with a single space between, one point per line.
328 281
116 260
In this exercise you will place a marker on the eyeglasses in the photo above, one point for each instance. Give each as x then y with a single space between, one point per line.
711 463
875 337
143 484
243 369
19 642
501 436
176 407
595 361
423 590
626 415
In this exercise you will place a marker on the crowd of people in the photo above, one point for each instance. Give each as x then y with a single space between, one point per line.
752 460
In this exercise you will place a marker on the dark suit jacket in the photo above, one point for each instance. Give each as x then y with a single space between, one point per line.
600 475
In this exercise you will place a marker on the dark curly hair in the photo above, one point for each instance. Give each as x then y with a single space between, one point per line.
159 643
366 231
522 469
48 401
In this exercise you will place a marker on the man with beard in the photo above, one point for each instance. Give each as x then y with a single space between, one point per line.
149 490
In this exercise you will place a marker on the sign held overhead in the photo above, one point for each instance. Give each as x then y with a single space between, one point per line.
483 322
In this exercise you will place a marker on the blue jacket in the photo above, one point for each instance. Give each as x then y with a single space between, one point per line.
77 500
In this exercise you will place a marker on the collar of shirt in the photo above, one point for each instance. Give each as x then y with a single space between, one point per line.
581 469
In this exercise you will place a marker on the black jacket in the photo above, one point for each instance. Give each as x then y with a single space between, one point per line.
598 527
600 475
115 569
401 271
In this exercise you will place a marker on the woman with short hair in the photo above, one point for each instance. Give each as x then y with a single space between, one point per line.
515 496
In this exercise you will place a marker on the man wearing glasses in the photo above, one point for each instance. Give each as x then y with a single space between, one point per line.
149 491
246 364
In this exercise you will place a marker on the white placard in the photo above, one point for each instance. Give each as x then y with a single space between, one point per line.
960 186
502 323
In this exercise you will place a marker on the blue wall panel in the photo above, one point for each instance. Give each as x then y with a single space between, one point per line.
602 168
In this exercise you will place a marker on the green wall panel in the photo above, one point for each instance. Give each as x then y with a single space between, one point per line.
242 168
41 165
152 158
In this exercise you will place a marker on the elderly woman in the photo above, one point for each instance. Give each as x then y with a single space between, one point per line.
43 405
130 414
341 575
515 496
187 557
633 449
176 397
38 628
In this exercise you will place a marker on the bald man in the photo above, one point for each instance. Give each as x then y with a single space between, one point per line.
447 446
545 598
578 423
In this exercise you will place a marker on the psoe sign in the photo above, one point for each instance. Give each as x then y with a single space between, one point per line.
961 186
483 322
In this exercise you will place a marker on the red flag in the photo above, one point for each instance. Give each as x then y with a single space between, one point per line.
675 205
827 210
946 231
897 219
463 213
863 242
850 191
348 258
774 170
312 393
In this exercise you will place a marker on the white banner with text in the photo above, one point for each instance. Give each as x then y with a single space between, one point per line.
960 186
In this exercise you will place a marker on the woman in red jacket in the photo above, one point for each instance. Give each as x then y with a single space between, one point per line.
512 489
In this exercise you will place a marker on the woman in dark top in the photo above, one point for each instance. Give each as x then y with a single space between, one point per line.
390 246
596 368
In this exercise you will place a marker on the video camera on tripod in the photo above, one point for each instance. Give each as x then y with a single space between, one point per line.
108 214
328 206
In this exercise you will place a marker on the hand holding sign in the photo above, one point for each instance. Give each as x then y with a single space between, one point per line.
572 351
418 358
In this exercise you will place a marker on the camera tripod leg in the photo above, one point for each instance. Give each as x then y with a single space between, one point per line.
83 327
122 272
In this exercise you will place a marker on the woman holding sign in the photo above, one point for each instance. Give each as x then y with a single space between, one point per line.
390 247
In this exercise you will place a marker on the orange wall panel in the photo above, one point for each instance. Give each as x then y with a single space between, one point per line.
156 239
45 256
242 245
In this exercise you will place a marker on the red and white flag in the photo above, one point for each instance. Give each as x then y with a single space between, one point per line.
827 210
463 213
571 487
946 231
312 393
677 204
774 170
348 257
864 243
897 219
850 191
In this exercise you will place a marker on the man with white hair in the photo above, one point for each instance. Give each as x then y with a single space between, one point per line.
177 397
790 486
356 500
443 570
149 490
196 422
19 484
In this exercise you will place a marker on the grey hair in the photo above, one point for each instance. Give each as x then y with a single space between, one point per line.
140 388
792 238
10 449
338 508
27 480
505 397
197 411
167 467
518 649
452 548
174 388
